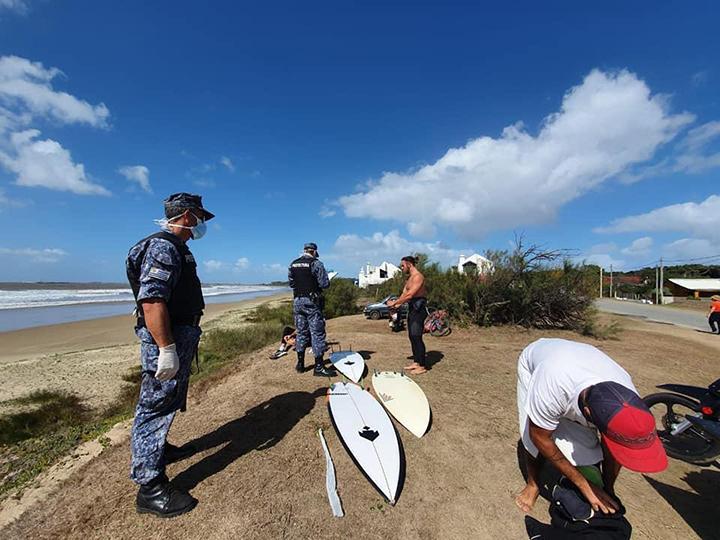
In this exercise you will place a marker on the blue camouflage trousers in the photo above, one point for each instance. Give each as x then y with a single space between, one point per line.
158 402
310 326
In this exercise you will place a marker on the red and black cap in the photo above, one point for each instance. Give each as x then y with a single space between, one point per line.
627 427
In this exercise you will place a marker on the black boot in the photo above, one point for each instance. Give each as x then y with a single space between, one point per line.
161 499
300 366
178 453
322 371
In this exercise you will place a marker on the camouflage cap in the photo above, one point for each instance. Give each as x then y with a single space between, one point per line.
177 203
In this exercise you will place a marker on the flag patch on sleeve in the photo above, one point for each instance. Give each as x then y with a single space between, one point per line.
159 273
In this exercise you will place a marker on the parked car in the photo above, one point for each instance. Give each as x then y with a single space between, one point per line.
379 310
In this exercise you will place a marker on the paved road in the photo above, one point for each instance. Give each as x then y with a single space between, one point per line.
663 314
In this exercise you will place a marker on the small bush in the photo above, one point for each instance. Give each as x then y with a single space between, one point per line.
341 298
264 313
222 345
593 328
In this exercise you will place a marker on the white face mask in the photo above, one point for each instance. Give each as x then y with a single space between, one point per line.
197 231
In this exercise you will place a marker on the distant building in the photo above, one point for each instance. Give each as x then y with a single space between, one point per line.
375 275
697 288
476 263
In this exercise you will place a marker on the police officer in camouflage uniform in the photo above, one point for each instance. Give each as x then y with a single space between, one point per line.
163 277
308 278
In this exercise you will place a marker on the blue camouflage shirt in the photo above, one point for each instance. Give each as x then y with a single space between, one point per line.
160 269
317 269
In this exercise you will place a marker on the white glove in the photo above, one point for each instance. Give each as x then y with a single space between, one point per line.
168 363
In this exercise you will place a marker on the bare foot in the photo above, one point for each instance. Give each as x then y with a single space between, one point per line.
412 366
526 498
418 371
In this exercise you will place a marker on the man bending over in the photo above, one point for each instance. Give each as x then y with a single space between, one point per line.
566 393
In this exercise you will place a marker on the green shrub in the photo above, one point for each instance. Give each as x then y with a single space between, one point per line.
530 286
264 313
222 345
341 298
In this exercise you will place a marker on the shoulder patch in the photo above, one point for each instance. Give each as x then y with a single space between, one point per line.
159 273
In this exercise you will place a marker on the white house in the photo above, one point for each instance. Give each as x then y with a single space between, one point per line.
476 262
375 275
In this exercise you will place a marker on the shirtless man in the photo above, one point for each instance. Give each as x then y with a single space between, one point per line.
415 295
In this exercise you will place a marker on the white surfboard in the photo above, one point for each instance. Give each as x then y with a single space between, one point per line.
404 399
349 363
368 435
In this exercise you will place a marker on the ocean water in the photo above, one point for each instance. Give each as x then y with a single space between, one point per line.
39 305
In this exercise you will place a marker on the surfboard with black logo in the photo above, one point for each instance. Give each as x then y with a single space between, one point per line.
368 435
349 363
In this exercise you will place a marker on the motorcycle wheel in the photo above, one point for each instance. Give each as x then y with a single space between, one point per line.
693 445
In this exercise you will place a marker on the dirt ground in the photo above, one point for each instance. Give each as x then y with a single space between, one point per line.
261 471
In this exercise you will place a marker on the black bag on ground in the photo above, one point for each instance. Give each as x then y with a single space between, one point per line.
571 516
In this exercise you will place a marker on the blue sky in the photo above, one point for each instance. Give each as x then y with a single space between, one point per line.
371 128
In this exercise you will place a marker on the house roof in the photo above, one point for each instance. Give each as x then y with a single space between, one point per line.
700 284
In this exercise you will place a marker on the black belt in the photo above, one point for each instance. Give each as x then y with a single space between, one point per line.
309 294
192 320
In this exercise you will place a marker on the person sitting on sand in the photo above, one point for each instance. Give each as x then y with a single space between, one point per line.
287 343
415 294
567 392
714 315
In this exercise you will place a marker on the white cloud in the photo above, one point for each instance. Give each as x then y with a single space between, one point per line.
48 255
603 260
138 174
326 212
689 248
18 6
639 247
227 163
698 137
358 250
25 88
242 263
45 163
213 265
275 268
689 155
204 183
27 96
606 124
699 78
700 219
7 202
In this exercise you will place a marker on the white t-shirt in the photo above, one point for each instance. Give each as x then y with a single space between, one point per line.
560 369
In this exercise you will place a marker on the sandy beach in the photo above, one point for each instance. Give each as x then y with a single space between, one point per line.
87 357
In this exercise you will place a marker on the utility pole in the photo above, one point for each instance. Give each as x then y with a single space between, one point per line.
662 281
611 282
601 283
657 280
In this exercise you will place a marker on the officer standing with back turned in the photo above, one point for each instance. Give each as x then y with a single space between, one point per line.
307 277
163 277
